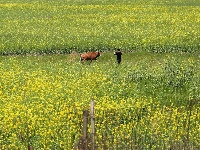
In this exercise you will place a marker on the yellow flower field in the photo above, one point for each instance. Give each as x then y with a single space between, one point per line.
62 26
43 98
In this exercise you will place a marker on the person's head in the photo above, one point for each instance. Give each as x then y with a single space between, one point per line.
118 49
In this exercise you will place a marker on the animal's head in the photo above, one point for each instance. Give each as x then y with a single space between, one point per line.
98 53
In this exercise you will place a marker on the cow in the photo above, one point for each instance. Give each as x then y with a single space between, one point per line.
89 56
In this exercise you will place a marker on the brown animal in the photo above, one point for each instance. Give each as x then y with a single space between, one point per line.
89 56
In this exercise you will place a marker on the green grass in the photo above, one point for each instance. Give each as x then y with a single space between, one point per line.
170 77
61 27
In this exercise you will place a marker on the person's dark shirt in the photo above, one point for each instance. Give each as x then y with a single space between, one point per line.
119 55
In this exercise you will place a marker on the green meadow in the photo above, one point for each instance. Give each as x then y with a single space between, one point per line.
150 101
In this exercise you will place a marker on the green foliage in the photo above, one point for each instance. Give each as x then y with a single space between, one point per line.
171 76
63 26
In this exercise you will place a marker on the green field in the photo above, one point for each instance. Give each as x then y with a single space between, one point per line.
150 101
64 26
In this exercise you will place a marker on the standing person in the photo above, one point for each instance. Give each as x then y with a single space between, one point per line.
119 56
